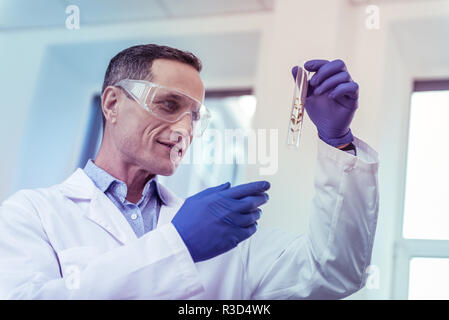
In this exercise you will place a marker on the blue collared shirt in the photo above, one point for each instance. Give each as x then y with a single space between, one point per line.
142 216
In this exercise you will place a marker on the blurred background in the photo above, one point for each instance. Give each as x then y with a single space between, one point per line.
397 50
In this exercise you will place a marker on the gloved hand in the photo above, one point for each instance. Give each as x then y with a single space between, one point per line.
331 100
217 219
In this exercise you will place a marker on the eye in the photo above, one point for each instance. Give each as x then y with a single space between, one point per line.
167 105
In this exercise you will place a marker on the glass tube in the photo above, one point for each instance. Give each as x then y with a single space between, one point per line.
297 113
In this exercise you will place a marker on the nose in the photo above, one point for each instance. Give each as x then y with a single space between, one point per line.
183 125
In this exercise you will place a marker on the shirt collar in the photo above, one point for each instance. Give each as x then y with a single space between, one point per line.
105 181
101 178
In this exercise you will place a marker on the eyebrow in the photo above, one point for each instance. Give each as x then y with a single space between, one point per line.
179 98
174 96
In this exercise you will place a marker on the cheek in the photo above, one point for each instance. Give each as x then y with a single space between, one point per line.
151 132
130 134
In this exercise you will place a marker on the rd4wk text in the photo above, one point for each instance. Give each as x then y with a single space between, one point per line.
224 310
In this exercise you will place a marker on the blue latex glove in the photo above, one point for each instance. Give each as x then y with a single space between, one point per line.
219 218
331 100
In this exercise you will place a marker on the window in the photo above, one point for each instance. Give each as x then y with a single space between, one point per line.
422 251
428 278
426 212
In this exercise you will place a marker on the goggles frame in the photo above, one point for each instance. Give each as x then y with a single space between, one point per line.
140 89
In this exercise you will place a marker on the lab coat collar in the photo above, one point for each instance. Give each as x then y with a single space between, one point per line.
80 186
104 213
103 181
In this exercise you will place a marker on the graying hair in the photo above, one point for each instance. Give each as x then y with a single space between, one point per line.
135 63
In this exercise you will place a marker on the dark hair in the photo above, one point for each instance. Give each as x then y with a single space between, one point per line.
135 63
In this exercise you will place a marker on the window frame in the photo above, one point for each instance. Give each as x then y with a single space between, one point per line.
407 248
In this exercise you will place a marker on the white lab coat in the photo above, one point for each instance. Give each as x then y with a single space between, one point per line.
70 241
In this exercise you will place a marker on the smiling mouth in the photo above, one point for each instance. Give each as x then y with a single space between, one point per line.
170 146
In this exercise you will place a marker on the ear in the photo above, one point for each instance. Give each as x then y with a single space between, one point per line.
109 101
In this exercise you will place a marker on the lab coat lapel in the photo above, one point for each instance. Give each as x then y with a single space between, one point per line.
171 207
101 209
104 213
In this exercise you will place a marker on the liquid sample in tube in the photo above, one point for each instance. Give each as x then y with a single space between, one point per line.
297 114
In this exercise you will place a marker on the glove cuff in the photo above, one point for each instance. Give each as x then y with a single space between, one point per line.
335 142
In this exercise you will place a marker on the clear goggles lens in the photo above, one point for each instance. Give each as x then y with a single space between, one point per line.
168 104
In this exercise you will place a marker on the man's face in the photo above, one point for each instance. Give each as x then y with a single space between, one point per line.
142 138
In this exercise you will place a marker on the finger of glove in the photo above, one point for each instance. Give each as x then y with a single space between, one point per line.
245 219
249 230
212 190
349 89
294 72
327 70
247 189
332 82
314 65
226 204
250 203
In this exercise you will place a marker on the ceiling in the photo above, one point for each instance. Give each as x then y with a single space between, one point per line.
20 14
219 55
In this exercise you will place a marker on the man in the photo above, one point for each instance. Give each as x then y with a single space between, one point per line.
111 231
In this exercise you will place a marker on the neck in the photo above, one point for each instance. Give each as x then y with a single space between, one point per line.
131 174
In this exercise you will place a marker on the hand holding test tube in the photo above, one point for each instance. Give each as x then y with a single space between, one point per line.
332 100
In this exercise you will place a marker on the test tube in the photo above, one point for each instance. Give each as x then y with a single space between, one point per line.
297 113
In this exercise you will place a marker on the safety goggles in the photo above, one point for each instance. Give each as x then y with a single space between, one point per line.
167 104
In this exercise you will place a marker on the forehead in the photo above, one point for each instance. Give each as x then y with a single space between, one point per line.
178 75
